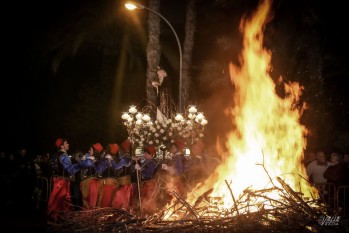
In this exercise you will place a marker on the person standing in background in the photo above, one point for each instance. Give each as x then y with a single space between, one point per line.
335 173
315 169
25 181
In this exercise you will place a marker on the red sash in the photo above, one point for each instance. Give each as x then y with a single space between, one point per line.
122 197
107 190
60 199
89 191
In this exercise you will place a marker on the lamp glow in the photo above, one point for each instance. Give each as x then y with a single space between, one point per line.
130 6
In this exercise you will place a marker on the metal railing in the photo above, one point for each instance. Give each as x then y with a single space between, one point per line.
327 192
342 196
336 197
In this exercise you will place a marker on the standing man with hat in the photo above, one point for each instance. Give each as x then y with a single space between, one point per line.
147 171
122 198
62 171
177 154
125 149
176 180
89 184
108 169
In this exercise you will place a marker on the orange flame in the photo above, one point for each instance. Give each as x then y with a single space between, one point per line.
269 140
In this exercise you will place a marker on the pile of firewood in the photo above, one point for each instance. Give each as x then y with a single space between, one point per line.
253 211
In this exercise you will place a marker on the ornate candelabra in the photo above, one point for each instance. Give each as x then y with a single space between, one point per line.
190 126
142 130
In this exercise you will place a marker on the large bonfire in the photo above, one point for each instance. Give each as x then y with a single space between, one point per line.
268 140
261 183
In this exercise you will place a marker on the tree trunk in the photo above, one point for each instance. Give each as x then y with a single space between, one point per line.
190 26
153 51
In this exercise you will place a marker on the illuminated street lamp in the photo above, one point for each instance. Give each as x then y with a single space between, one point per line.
134 5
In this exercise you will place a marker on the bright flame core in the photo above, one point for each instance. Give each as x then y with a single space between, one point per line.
269 140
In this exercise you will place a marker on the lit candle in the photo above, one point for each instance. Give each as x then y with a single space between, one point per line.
191 116
192 109
200 116
125 116
132 109
204 122
139 116
179 117
146 117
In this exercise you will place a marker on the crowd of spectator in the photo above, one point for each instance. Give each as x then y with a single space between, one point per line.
330 175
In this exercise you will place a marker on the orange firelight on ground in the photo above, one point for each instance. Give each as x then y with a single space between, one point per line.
269 140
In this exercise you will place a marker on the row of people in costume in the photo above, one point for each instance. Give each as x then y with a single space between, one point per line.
110 177
106 177
99 180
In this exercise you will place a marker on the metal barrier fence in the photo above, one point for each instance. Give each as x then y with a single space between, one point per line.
327 192
336 198
342 196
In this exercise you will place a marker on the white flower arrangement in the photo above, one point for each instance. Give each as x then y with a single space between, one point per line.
143 131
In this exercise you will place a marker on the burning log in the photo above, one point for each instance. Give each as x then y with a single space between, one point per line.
203 197
296 196
187 205
232 195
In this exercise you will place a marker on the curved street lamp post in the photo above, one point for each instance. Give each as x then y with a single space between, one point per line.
134 5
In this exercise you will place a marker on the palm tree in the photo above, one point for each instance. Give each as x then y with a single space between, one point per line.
190 26
153 51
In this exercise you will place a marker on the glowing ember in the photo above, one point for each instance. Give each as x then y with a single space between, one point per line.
269 139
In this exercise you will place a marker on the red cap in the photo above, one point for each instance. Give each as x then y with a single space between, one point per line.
59 142
98 147
126 145
150 149
114 148
179 144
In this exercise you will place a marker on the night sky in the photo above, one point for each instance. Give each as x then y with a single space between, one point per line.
54 54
